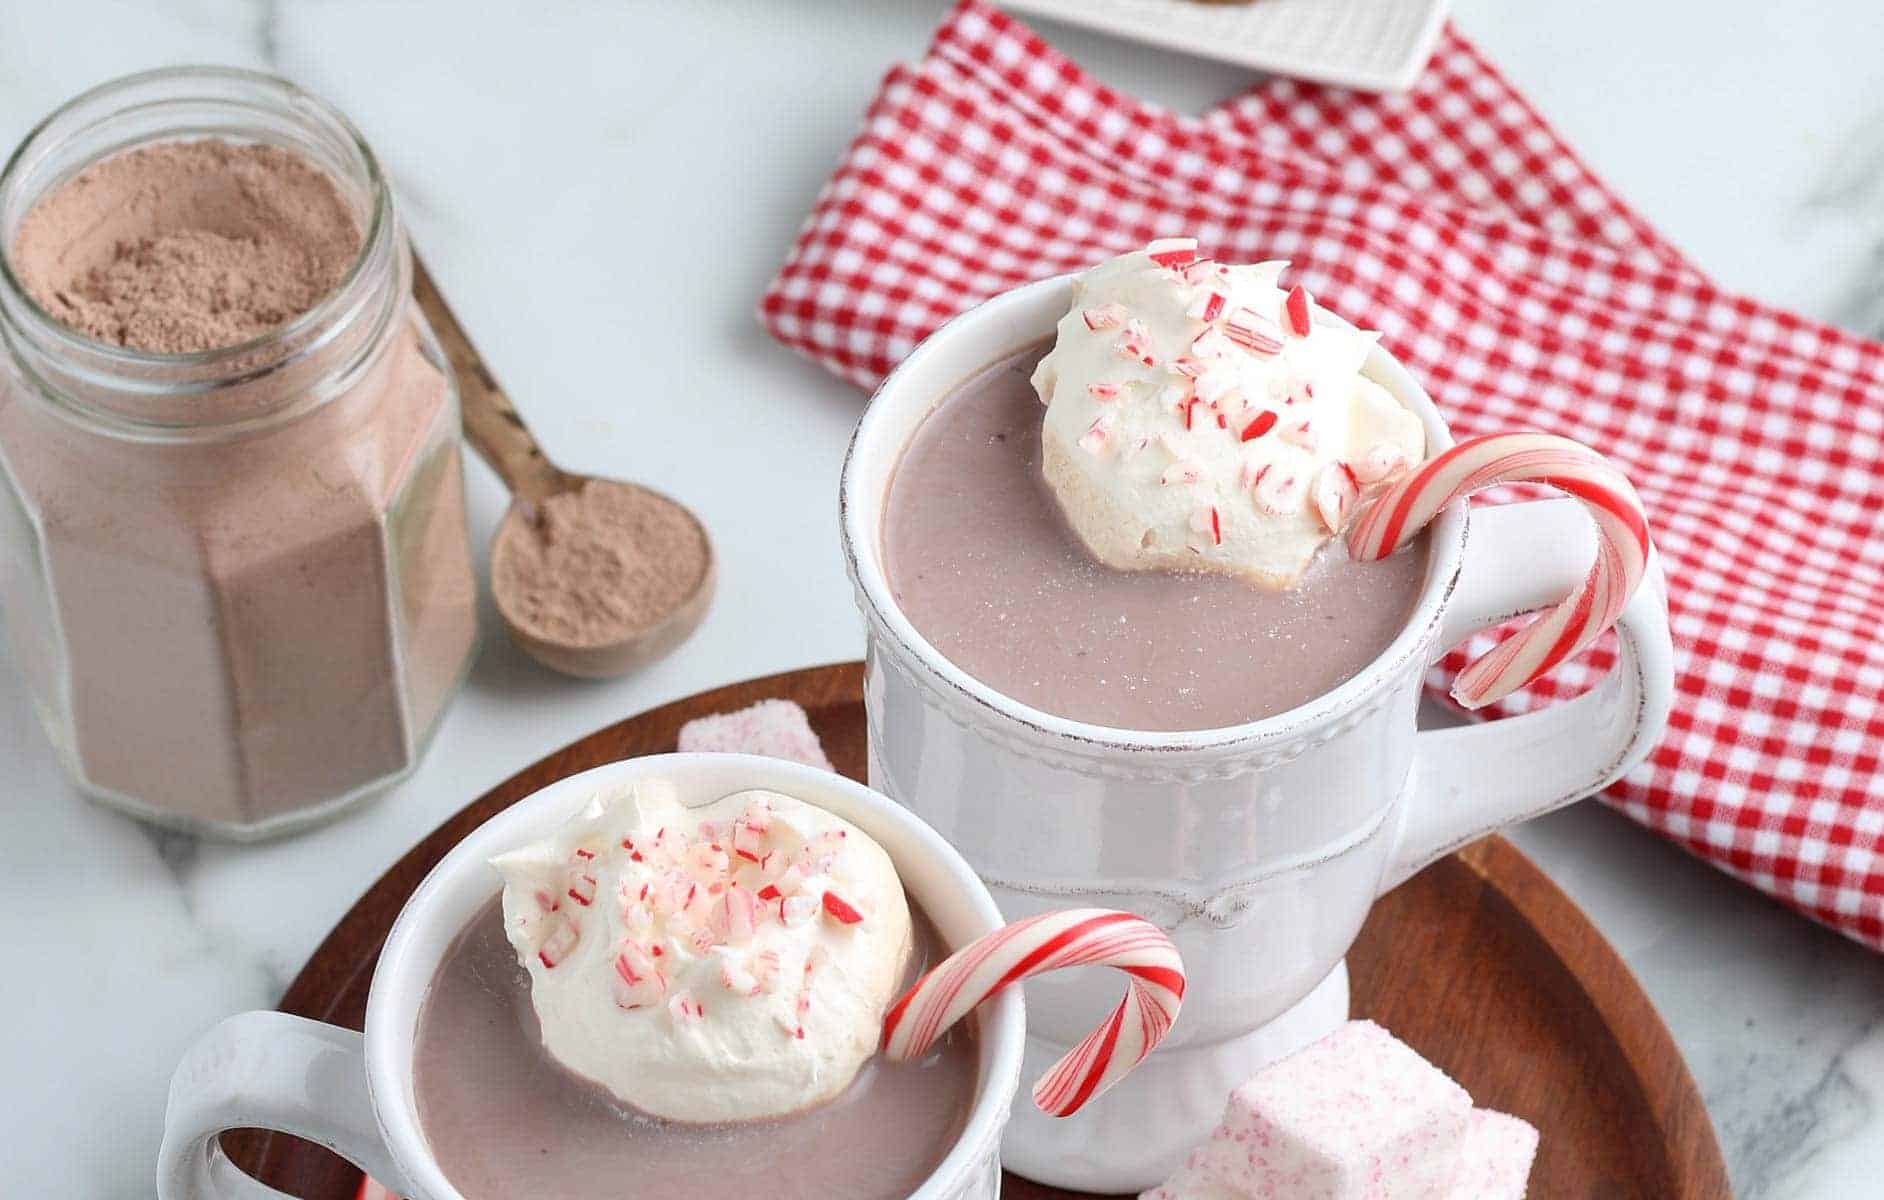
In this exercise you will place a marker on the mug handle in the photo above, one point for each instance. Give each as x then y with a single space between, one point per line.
267 1070
1472 780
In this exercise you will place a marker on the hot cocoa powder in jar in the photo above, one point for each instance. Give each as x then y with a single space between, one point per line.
235 565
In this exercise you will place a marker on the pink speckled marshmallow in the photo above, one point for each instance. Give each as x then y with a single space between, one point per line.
1356 1116
774 728
1499 1150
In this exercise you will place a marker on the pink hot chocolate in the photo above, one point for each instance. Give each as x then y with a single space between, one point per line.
984 565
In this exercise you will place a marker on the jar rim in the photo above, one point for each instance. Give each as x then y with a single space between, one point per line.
257 90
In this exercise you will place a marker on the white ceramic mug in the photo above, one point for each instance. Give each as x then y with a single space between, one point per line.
1258 847
353 1093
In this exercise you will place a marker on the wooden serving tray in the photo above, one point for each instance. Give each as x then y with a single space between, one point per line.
1478 962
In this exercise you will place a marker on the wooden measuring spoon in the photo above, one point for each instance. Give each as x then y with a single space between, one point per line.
496 430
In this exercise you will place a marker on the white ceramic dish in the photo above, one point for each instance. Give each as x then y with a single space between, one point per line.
1373 45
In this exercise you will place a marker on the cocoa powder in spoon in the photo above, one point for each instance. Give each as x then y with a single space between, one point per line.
598 565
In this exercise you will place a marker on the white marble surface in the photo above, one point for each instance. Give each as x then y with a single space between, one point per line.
559 163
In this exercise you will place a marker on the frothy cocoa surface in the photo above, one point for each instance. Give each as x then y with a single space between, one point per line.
507 1123
981 561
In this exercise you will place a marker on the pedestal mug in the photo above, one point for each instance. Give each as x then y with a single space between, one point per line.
1259 847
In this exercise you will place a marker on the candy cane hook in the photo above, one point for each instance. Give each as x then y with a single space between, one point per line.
1399 513
1070 938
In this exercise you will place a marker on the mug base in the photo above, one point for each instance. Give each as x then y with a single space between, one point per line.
1137 1134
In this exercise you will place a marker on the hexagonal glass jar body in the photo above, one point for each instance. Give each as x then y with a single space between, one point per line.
238 583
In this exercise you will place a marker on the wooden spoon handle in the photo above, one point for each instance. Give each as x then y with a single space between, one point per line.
492 423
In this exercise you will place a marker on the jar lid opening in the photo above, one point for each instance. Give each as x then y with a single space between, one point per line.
182 104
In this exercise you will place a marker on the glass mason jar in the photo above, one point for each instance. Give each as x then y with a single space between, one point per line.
238 583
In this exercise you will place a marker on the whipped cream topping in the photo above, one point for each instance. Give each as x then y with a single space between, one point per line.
726 962
1201 417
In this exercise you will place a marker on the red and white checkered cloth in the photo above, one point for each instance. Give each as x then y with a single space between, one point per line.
1525 294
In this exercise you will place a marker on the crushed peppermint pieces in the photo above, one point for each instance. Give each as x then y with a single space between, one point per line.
1301 433
1207 306
840 910
1181 472
1134 343
1252 331
1276 492
715 891
1264 422
1335 494
1211 343
1208 390
1382 462
1295 306
1209 522
558 942
1175 252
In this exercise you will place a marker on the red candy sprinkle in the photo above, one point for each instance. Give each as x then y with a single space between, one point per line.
1196 272
1264 422
1296 306
1132 343
1173 252
839 910
558 943
1249 329
770 892
1207 307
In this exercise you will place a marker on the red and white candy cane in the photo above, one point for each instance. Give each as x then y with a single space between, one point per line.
1400 512
1075 937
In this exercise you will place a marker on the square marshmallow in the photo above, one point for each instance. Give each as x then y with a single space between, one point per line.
1499 1150
1356 1116
774 728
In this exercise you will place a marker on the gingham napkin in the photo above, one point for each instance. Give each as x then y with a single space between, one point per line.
1525 294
